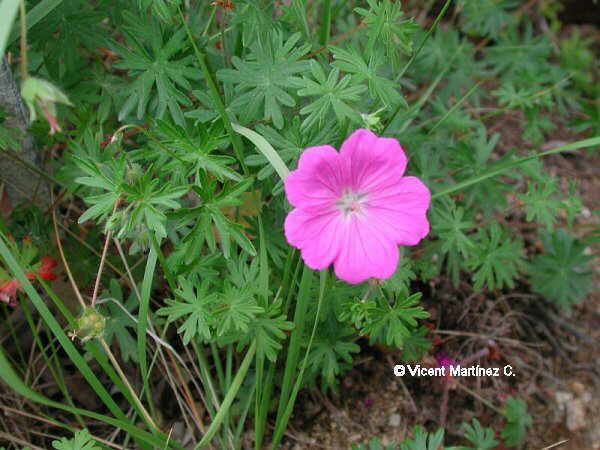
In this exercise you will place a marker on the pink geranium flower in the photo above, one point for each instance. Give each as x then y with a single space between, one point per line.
354 208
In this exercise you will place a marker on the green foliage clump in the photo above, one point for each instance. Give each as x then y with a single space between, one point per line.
80 441
561 273
518 421
182 118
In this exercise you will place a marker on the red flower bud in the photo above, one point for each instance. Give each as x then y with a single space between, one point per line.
48 264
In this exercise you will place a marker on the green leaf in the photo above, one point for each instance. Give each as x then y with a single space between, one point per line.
496 259
63 31
518 420
481 438
190 151
400 281
540 203
263 79
154 58
331 352
391 324
332 94
236 310
265 148
423 440
352 61
561 273
384 27
416 345
80 441
268 329
195 305
452 225
486 17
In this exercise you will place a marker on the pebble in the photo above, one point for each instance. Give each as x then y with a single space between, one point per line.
576 415
394 420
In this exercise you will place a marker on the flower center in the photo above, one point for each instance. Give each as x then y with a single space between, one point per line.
351 203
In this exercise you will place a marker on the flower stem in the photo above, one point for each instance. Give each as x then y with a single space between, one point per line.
134 396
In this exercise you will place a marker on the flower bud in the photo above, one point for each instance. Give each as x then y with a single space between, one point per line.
90 324
43 95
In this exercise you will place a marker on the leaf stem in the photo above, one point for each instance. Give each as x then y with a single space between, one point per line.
216 97
103 259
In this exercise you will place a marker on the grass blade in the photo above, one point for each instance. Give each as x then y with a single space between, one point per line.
454 107
58 332
9 376
231 393
282 424
265 148
8 12
584 143
143 321
291 363
37 13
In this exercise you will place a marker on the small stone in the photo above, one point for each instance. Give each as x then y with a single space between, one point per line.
576 415
562 397
394 420
578 387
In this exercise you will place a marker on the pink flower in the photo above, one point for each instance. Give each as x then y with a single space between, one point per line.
354 208
443 360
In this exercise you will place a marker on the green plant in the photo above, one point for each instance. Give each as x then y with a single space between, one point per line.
518 421
80 441
561 272
180 122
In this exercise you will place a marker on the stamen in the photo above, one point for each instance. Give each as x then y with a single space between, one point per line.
351 203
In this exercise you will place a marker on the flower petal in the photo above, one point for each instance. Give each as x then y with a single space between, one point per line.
371 161
399 212
316 183
316 235
365 253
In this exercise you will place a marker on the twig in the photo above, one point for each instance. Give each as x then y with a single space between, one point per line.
479 397
482 336
22 442
556 444
335 41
